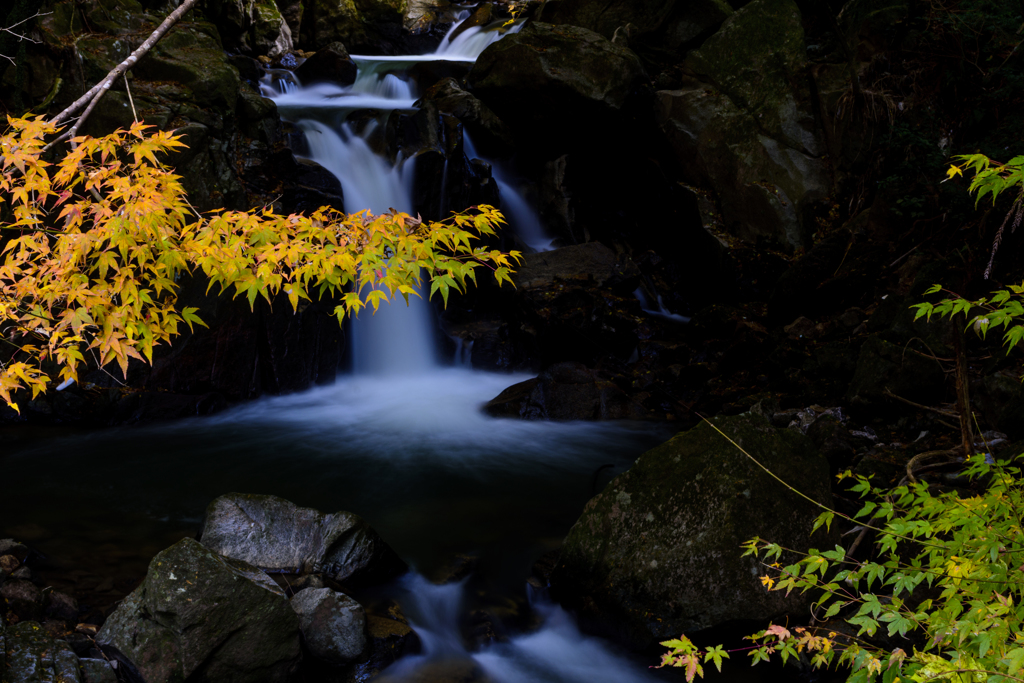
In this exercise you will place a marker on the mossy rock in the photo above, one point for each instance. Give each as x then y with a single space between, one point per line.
349 21
757 59
658 551
201 616
192 55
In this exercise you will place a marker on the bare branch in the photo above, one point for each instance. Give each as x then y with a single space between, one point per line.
98 90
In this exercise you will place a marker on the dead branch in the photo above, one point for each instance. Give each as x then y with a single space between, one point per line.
21 36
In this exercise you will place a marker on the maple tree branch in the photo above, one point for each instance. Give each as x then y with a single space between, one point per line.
90 98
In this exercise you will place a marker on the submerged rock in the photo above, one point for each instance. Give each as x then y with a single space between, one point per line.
333 624
658 551
275 534
201 616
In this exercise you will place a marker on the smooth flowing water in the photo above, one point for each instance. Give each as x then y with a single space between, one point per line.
401 442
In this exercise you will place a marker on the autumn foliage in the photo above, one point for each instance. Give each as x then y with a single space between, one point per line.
93 247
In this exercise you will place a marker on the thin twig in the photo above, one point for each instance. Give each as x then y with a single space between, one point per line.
944 413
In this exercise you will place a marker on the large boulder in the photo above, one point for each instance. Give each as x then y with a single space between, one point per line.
658 551
28 654
275 534
743 125
555 83
201 616
333 624
666 23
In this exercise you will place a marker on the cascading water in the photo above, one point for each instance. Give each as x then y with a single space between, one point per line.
556 652
412 453
520 215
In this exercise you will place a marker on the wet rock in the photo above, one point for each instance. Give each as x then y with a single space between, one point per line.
555 84
668 24
198 614
96 671
743 127
657 553
23 598
333 624
566 391
484 127
33 656
330 63
273 533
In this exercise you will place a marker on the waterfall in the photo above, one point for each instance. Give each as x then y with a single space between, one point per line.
556 652
661 311
520 215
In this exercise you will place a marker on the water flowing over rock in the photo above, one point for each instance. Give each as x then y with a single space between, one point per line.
742 126
486 129
333 624
552 83
666 23
275 534
201 616
658 551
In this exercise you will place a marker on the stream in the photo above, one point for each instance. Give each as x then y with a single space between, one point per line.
400 441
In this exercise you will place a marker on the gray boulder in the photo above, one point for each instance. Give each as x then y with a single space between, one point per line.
555 82
333 624
658 551
200 616
275 534
743 125
28 654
